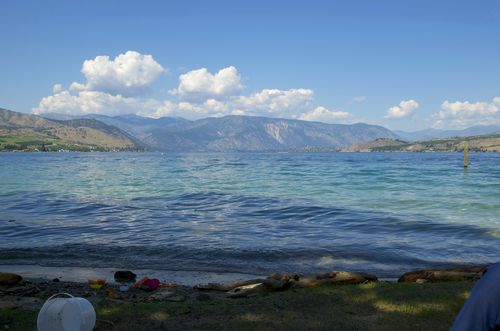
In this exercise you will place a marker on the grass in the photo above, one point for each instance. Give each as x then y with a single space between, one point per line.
376 306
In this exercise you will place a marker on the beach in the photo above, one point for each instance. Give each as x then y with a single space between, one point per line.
369 306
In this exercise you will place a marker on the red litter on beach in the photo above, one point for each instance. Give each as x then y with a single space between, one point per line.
146 283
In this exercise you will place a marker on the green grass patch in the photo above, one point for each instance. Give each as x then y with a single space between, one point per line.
376 306
17 319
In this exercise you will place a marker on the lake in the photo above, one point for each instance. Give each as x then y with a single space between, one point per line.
255 213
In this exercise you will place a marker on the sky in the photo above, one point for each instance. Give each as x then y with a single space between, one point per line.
406 65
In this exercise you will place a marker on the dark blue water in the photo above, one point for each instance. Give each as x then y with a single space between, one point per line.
251 213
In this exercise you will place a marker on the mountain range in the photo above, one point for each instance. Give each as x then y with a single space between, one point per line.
237 133
175 134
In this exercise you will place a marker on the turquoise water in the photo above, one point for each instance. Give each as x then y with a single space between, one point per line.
255 212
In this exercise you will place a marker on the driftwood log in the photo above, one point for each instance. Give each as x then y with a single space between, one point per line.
444 275
334 278
280 282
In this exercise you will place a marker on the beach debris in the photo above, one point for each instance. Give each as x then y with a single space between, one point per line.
148 284
125 276
124 287
279 282
334 278
7 278
96 284
444 275
140 282
168 285
421 281
246 290
270 283
151 284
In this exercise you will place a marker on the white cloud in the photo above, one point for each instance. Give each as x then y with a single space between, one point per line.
128 74
210 107
405 109
322 114
92 102
200 84
460 114
274 102
268 102
359 98
57 88
114 87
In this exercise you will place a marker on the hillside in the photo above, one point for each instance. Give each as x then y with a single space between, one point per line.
19 131
374 145
241 133
485 143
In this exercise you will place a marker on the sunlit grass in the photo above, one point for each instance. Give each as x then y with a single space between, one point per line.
375 306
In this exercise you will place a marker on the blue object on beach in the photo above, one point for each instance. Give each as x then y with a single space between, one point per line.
481 311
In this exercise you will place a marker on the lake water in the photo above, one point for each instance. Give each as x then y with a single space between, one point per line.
252 213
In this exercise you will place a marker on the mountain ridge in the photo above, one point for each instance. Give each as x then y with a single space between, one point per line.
240 133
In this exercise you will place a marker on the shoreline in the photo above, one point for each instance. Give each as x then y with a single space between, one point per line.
367 306
82 274
190 277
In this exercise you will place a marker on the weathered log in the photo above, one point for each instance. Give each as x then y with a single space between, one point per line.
334 278
278 282
246 290
268 283
284 277
444 275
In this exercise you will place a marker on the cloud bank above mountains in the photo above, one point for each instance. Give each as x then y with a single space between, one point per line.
123 85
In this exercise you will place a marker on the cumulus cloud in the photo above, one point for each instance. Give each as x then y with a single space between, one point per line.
57 88
115 86
200 84
322 114
460 114
210 107
275 102
405 109
92 102
268 102
128 74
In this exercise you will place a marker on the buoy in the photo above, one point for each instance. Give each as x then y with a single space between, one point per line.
66 314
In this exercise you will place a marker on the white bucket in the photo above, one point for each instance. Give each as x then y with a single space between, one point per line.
66 314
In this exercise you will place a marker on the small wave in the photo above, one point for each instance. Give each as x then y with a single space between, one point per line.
214 231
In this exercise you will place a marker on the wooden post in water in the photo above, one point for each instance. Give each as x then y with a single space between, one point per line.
466 155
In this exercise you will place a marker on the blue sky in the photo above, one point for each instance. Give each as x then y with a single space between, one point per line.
403 64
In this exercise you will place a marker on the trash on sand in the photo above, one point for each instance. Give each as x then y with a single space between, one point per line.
149 284
168 285
96 284
125 276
